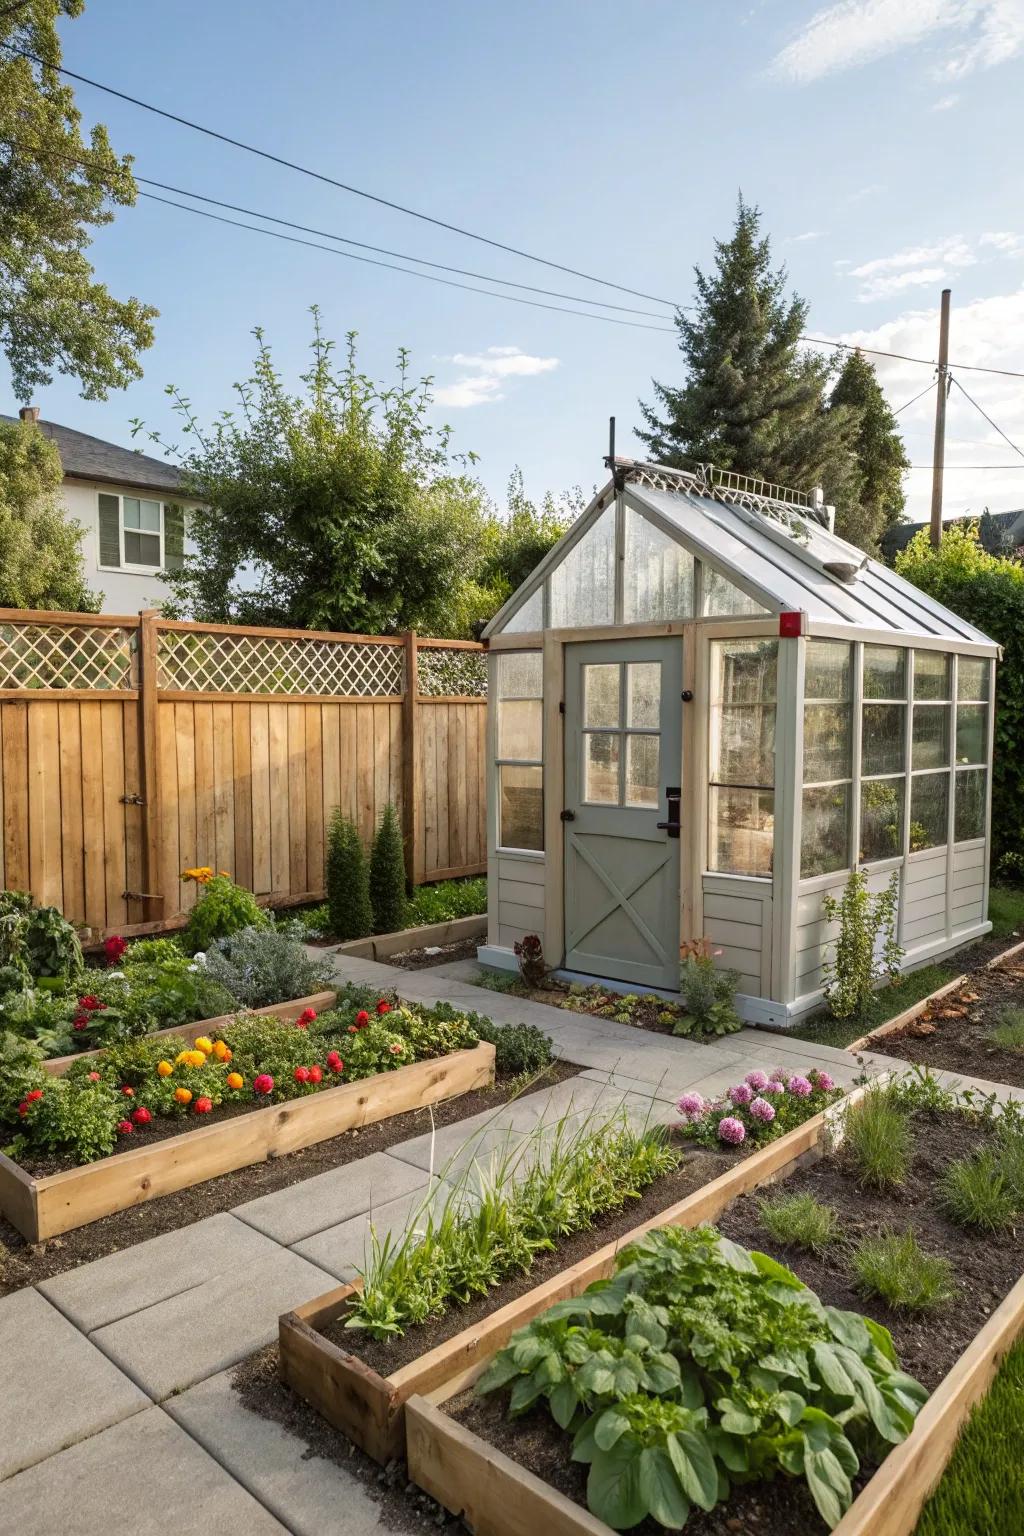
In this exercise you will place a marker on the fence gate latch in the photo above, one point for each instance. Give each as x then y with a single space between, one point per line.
132 800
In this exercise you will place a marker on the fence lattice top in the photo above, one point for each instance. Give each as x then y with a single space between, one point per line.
218 663
444 671
62 655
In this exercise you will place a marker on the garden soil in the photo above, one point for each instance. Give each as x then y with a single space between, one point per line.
955 1034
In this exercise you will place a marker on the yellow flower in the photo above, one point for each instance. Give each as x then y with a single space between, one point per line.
204 1044
182 1056
221 1051
183 1095
235 1080
200 875
164 1068
196 1058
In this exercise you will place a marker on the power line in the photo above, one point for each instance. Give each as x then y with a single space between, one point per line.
908 403
426 277
304 170
988 418
902 357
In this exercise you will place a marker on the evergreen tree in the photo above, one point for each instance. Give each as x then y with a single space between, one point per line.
348 887
751 401
387 875
40 548
875 500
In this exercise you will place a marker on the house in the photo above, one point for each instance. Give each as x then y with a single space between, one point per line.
130 508
999 532
705 710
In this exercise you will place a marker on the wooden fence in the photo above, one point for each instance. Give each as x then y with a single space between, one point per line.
132 748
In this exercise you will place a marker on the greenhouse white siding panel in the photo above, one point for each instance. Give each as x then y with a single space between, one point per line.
968 896
738 921
520 884
924 899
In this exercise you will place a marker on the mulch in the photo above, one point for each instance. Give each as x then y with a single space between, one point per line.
928 1343
23 1263
954 1035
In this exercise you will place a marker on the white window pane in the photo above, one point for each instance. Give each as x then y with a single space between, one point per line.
931 737
882 738
826 742
723 600
972 675
642 762
881 819
142 549
601 694
931 675
527 618
601 768
970 804
658 577
643 693
885 672
520 674
130 506
827 669
742 831
743 671
519 729
929 800
825 831
149 516
521 808
583 586
971 733
744 745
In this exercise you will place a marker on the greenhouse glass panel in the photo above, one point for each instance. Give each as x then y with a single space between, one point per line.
929 804
529 617
972 676
930 747
723 600
971 733
583 585
521 807
883 738
658 575
742 831
825 831
881 819
931 675
885 672
969 810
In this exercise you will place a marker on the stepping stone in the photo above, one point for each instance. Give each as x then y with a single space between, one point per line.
343 1249
57 1387
308 1494
290 1214
146 1476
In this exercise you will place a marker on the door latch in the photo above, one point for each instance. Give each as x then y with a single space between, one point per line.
687 695
567 816
672 825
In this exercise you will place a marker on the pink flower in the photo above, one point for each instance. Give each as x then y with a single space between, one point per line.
773 1086
692 1106
94 1077
125 1127
824 1082
742 1093
799 1086
756 1079
730 1130
396 1049
761 1110
263 1084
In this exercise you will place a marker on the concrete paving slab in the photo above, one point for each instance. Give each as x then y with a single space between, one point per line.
186 1338
309 1495
125 1282
57 1387
290 1214
341 1250
145 1475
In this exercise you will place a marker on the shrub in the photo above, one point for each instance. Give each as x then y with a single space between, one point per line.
799 1221
448 900
1008 1033
259 968
866 948
878 1140
348 888
975 1193
763 1106
1010 1154
520 1050
20 1070
893 1266
37 941
533 968
222 909
387 875
708 998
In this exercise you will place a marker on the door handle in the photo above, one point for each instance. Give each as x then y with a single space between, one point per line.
567 816
671 826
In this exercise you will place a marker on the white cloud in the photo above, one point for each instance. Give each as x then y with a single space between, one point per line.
916 266
944 103
854 32
482 383
1004 241
808 234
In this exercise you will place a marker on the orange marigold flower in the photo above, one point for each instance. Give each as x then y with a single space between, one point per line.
203 1043
164 1068
183 1095
221 1051
235 1080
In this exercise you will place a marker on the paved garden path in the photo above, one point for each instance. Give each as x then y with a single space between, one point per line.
117 1411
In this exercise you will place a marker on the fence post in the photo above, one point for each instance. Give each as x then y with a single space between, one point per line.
149 757
410 762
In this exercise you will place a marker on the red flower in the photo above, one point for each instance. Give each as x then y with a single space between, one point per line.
23 1109
306 1017
81 1021
94 1077
301 1074
125 1127
353 1030
36 1093
114 948
315 1074
396 1049
141 1116
334 1061
203 1106
263 1084
362 1019
128 1091
89 1002
383 1007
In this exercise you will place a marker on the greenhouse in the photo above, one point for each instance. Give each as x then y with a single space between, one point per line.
705 710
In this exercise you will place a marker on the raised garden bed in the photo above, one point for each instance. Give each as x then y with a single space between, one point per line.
367 1402
383 945
43 1207
516 1478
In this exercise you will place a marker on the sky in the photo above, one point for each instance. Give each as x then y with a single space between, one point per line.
880 138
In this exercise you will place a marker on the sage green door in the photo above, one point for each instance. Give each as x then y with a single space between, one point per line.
623 751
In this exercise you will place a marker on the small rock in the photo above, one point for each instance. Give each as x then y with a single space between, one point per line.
432 949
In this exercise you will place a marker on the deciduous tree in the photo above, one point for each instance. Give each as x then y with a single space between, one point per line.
40 548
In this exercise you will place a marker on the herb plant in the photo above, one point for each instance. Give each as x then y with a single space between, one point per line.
520 1050
866 948
700 1364
221 909
878 1140
893 1266
1008 1032
708 996
799 1221
447 900
259 966
975 1193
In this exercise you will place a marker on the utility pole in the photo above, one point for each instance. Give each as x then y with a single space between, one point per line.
938 456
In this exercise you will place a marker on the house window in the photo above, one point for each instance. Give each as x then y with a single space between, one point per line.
141 533
828 758
520 689
742 758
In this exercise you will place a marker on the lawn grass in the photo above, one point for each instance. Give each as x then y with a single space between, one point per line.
982 1489
1006 911
885 1004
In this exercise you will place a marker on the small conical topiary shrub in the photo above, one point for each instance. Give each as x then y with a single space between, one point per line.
348 886
387 875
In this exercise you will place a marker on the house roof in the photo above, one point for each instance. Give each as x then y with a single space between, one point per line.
1009 524
771 546
92 458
